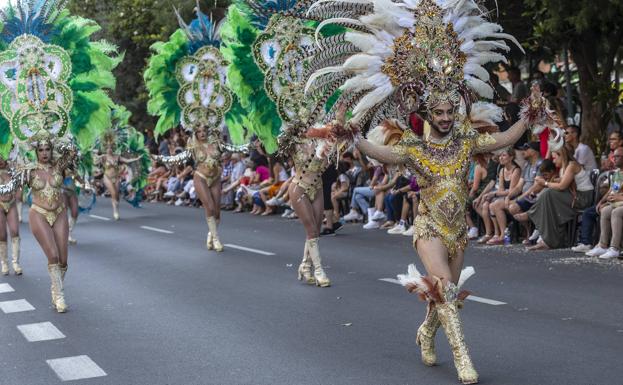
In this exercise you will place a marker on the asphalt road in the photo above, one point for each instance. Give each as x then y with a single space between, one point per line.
150 305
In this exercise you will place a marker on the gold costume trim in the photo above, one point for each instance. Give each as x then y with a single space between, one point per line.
50 215
441 170
6 206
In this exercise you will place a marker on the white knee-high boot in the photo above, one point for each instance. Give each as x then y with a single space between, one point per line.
314 253
15 245
4 259
212 226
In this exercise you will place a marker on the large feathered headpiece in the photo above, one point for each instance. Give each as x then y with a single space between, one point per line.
415 52
270 44
186 78
54 81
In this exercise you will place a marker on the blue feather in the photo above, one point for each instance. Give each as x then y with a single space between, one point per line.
261 11
200 32
30 17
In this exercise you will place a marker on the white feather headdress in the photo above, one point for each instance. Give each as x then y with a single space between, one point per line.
428 50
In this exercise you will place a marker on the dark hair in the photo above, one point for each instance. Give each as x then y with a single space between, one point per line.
515 70
493 77
575 128
550 88
512 112
348 154
342 166
547 166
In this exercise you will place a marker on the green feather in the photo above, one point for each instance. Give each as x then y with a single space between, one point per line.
161 82
247 80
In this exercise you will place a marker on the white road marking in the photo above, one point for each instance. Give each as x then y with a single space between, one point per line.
43 331
16 306
250 250
471 297
100 218
156 230
485 300
6 288
75 368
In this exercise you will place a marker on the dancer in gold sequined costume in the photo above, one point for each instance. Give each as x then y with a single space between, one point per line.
10 219
415 77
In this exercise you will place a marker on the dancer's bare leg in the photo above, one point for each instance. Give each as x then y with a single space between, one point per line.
113 189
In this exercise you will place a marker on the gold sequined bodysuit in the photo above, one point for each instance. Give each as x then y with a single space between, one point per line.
6 205
208 166
111 168
441 170
309 169
48 190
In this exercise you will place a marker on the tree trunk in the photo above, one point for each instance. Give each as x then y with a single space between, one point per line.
594 119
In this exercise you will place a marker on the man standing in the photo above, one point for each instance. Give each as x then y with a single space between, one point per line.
520 90
583 153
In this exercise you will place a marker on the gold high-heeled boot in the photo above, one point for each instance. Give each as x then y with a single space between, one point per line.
4 259
15 243
212 226
448 313
321 278
72 223
56 288
305 267
425 337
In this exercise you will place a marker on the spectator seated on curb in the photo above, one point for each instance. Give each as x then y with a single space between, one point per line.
361 195
610 209
483 175
279 176
519 207
559 203
508 180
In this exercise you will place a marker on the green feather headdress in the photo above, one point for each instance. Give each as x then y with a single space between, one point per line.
185 78
270 45
75 100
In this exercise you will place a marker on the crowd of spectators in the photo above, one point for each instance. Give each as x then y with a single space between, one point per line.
528 193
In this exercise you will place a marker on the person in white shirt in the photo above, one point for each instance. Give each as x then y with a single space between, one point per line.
582 153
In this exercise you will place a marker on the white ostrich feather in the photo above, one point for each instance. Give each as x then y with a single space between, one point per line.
476 70
375 44
413 276
363 62
466 273
373 98
486 112
377 135
480 87
489 57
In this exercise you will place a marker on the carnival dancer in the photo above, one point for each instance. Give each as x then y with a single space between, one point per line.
283 50
9 219
185 64
410 58
42 41
113 164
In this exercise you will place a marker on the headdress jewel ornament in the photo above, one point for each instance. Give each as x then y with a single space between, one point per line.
203 97
35 97
424 51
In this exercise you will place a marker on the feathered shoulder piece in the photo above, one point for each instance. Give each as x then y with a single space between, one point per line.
407 55
54 79
186 78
